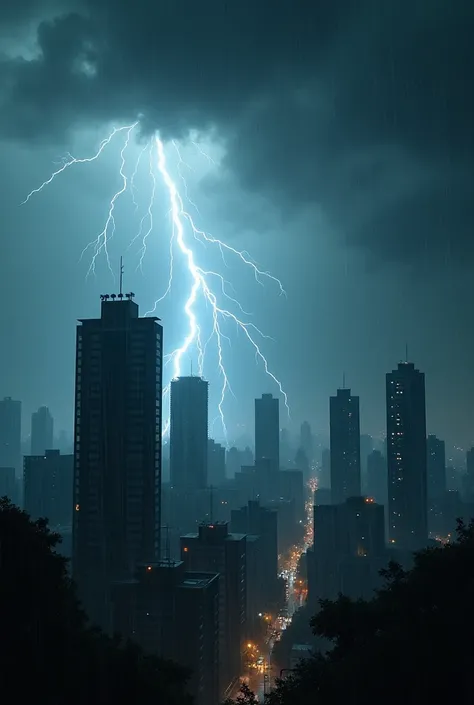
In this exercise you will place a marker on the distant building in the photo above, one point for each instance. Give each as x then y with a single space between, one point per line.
214 549
236 458
377 477
366 447
117 465
286 451
215 463
291 487
8 484
174 614
48 487
267 431
468 481
307 442
189 433
322 496
10 434
41 431
302 463
436 464
345 446
406 457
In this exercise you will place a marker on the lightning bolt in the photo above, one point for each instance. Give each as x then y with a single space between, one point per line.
69 160
200 278
199 283
102 240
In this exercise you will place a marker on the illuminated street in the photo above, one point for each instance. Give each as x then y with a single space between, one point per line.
260 669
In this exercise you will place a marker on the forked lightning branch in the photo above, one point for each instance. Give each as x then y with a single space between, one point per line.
209 285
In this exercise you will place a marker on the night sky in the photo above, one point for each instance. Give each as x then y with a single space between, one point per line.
341 143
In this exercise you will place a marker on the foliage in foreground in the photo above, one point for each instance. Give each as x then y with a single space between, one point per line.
245 697
50 655
413 643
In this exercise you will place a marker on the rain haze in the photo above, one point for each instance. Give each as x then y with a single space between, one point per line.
331 141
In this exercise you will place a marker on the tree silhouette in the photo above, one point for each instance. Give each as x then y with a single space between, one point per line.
412 643
245 697
49 655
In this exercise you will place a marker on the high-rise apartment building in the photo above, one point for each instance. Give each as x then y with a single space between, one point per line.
189 433
348 550
267 431
10 434
256 520
117 450
41 431
48 483
406 457
174 614
344 446
216 550
436 464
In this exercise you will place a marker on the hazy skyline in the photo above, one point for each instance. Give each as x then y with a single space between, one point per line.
342 136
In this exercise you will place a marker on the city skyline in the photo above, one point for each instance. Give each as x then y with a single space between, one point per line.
236 389
242 431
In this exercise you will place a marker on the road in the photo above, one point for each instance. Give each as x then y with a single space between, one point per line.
256 679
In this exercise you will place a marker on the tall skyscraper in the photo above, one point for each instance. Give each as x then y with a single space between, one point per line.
117 450
436 464
188 433
41 431
10 434
267 431
345 446
406 457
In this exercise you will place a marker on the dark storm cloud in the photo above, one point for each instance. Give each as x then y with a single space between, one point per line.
364 109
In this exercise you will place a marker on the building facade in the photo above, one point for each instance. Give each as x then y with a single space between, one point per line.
217 550
174 614
256 520
406 457
216 475
344 446
41 431
117 450
189 433
267 431
436 465
10 434
48 484
348 550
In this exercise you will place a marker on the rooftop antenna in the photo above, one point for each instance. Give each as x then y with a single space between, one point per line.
121 278
406 352
343 380
191 367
